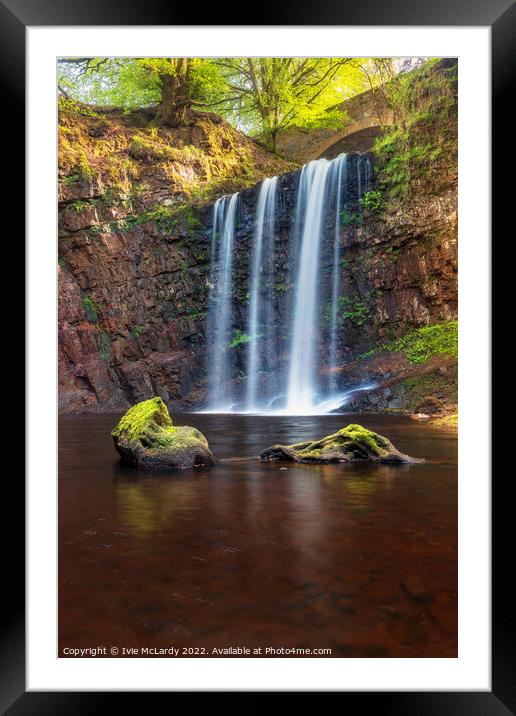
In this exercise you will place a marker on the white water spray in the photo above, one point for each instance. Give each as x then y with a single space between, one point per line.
259 309
301 384
340 181
224 213
282 366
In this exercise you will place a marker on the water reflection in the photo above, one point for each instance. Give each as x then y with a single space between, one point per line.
361 558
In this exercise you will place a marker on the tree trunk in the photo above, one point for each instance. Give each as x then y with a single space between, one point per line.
271 135
175 106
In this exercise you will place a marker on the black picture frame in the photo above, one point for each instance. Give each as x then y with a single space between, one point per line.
500 15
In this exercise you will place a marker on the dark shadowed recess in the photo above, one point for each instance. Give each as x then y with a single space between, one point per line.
360 141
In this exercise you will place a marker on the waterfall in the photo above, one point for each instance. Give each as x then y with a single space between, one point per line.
364 186
368 175
339 179
220 302
301 384
260 310
297 275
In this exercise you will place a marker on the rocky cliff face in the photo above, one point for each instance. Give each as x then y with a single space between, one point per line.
134 268
133 251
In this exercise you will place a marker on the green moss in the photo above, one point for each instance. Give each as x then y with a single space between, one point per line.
313 454
372 201
152 147
420 345
354 309
180 438
136 331
349 217
161 215
70 179
114 148
417 391
146 148
368 354
423 343
349 308
424 102
145 438
353 433
105 346
82 168
147 422
281 287
168 220
90 308
195 313
111 196
187 217
354 442
238 339
393 253
358 433
79 205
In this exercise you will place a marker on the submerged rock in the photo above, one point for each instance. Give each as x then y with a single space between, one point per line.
145 438
353 443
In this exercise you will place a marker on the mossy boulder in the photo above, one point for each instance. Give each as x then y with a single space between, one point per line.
353 443
145 438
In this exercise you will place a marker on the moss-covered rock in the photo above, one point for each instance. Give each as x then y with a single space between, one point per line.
353 443
145 438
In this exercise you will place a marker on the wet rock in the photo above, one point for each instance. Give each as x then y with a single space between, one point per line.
145 438
429 388
353 443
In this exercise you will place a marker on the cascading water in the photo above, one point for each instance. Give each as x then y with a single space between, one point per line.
368 175
260 308
301 379
276 368
363 175
340 182
224 214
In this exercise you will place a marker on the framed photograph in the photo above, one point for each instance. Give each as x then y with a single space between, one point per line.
258 356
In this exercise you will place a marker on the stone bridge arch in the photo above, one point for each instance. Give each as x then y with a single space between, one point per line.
367 114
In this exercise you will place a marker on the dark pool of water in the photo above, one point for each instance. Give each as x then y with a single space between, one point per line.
360 559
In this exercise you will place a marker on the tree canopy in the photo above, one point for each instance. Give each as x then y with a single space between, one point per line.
263 96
